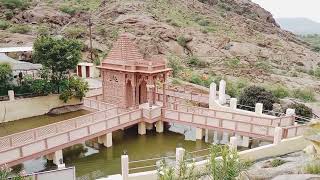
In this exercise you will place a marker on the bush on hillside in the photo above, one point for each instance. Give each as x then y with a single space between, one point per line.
13 4
306 95
280 91
302 110
22 29
182 41
4 24
74 32
255 94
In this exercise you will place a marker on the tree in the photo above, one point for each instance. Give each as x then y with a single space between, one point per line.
254 94
5 78
59 55
74 87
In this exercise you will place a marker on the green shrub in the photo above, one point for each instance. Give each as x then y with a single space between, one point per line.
280 91
277 162
176 65
22 29
8 14
4 24
204 22
232 63
312 168
263 65
68 9
74 87
234 89
306 95
182 41
301 110
43 30
194 61
317 72
13 4
255 94
74 32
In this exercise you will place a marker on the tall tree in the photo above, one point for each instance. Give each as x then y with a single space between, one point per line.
59 55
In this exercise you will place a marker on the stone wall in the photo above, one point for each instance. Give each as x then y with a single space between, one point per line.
29 107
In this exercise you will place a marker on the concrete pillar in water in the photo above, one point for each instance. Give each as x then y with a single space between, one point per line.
11 95
57 158
233 103
206 138
245 141
233 143
125 167
199 133
225 138
106 140
222 92
142 128
159 126
212 95
259 108
216 137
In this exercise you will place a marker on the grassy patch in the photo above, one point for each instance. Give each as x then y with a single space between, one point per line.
14 4
232 63
277 162
194 61
74 32
182 41
312 168
4 24
20 28
280 91
306 95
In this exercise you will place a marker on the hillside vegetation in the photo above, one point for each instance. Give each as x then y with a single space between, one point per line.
203 40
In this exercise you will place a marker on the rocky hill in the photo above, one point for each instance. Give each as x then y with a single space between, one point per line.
235 39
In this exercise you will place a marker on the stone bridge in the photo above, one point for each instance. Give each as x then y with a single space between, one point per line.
106 118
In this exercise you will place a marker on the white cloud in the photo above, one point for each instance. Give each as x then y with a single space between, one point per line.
292 8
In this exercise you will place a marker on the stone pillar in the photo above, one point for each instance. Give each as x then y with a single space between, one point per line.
277 135
222 92
199 133
159 126
212 95
142 128
106 140
290 112
11 95
216 137
233 103
233 143
150 88
125 167
245 141
259 108
164 95
58 159
206 137
179 156
225 138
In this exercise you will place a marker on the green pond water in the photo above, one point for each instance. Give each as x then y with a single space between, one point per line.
92 163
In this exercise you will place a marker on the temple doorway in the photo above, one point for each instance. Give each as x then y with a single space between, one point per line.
143 92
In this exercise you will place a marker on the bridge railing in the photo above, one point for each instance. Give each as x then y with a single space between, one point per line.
96 104
39 133
239 116
189 95
215 121
70 132
293 131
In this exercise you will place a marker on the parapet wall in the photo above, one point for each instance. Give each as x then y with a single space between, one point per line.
29 107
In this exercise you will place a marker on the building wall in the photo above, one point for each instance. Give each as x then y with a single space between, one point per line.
114 87
29 107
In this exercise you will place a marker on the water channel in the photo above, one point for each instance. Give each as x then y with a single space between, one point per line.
92 161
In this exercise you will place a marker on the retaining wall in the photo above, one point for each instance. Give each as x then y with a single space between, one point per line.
29 107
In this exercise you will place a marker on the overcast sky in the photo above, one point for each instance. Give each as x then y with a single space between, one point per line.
292 8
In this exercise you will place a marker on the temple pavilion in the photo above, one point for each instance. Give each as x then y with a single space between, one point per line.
128 78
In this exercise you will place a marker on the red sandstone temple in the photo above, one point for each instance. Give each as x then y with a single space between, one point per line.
128 79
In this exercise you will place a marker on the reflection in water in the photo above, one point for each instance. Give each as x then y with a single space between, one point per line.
36 121
99 161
